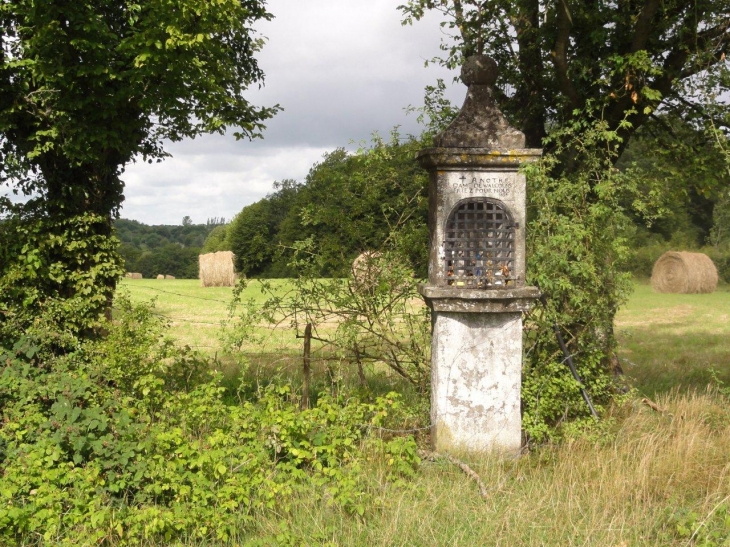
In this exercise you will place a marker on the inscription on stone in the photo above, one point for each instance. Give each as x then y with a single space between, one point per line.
498 186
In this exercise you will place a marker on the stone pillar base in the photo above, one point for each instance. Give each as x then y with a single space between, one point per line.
476 372
476 368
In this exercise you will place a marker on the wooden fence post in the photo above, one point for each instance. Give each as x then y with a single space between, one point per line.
307 364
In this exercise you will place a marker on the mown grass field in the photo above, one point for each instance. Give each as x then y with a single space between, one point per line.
674 341
196 314
645 477
666 341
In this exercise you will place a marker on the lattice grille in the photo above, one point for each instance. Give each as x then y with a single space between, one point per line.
479 244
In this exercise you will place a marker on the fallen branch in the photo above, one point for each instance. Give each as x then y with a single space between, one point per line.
651 404
468 471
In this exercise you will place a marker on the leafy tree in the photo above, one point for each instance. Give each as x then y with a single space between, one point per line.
172 250
216 221
254 235
251 237
351 203
348 204
678 162
171 259
617 60
130 254
86 87
720 233
217 240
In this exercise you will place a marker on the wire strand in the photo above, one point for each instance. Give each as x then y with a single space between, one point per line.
183 295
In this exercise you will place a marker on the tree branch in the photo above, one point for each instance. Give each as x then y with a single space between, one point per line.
560 54
664 125
643 25
703 40
530 62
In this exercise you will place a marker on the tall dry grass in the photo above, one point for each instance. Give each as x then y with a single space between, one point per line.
647 479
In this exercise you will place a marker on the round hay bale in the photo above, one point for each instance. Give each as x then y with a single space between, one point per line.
216 269
683 272
366 270
160 276
169 277
134 275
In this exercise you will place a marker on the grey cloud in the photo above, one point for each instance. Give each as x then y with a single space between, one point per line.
342 69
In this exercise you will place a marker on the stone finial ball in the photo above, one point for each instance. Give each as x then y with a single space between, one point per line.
479 70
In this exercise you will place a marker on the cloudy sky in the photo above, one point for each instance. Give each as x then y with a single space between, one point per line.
341 69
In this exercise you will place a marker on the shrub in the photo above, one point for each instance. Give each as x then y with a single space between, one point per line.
59 272
721 258
127 440
577 256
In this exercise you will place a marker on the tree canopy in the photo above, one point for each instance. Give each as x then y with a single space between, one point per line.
87 86
620 60
349 203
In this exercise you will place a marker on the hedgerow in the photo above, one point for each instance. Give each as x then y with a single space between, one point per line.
128 440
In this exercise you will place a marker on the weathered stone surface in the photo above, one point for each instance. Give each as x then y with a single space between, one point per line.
475 382
480 124
476 357
454 299
448 187
480 158
479 70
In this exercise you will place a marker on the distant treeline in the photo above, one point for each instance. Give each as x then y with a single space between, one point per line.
163 249
348 203
377 196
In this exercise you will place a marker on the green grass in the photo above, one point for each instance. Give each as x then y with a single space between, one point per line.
644 478
196 314
666 341
199 317
674 341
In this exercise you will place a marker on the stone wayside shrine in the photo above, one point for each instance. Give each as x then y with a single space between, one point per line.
476 274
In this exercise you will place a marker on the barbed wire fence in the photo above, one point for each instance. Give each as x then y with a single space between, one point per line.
286 358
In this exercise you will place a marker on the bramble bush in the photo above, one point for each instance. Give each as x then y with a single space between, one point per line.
128 440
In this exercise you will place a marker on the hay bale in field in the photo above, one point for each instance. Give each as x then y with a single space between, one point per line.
160 276
366 270
169 277
216 269
683 272
134 275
